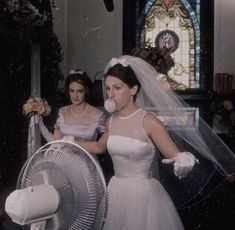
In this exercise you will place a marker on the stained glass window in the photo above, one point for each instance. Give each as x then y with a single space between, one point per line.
174 24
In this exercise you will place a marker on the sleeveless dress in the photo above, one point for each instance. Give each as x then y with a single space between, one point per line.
83 132
136 201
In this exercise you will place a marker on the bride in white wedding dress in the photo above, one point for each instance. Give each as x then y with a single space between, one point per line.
136 200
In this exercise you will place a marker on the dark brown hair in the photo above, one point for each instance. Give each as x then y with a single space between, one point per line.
125 74
82 78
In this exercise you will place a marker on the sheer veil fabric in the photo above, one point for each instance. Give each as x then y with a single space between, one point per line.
201 140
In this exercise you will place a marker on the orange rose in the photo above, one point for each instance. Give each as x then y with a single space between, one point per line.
36 105
40 108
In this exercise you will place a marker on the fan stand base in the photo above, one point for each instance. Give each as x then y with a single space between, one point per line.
38 226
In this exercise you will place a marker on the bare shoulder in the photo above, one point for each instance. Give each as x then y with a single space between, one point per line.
151 117
95 110
151 121
64 109
92 110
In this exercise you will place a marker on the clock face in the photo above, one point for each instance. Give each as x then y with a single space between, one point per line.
167 39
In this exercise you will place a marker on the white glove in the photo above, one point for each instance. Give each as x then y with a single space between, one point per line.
37 119
68 138
183 163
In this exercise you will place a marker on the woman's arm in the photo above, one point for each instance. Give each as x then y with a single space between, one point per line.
43 129
57 135
183 161
95 147
157 132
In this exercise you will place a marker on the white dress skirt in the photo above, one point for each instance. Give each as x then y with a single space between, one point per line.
136 201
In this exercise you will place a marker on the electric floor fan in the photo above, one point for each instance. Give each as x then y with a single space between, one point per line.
60 187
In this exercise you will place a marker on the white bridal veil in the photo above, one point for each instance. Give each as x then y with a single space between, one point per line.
199 139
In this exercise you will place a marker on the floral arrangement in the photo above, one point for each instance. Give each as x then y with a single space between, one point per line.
36 105
159 58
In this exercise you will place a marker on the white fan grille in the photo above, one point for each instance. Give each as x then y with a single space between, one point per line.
77 177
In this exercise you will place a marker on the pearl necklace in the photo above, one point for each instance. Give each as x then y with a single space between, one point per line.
81 114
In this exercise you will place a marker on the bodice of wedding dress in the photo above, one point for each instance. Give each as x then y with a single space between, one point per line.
131 150
136 200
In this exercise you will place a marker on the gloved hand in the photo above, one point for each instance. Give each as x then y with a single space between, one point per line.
183 163
68 138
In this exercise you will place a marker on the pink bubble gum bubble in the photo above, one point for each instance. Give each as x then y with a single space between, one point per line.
109 105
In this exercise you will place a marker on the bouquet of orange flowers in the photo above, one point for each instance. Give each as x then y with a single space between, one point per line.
36 105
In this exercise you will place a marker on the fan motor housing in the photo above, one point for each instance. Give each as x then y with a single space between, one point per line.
32 204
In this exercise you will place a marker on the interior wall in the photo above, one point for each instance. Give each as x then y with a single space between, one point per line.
224 45
90 35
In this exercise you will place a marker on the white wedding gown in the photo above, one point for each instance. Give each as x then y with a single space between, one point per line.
136 201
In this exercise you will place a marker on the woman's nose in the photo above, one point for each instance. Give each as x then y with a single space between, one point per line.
110 93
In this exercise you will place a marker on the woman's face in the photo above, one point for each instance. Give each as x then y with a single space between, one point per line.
77 93
119 92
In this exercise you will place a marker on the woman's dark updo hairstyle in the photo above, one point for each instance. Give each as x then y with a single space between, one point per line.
82 78
125 74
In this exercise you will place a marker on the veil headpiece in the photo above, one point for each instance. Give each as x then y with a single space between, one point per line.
197 137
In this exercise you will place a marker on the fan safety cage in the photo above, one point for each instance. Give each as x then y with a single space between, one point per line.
78 179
